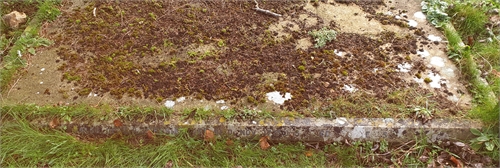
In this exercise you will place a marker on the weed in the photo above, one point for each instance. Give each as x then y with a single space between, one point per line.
487 139
435 11
323 36
48 11
192 53
167 43
152 15
221 43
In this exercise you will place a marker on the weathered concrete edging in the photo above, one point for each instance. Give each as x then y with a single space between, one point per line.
285 129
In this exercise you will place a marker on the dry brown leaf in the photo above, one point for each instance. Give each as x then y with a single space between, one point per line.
457 162
309 153
118 123
229 142
495 72
54 123
209 136
150 135
169 164
263 143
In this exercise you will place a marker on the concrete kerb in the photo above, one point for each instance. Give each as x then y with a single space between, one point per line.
286 129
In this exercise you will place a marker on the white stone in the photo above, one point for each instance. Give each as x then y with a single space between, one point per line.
405 67
412 23
448 72
277 98
436 80
181 99
418 80
437 61
453 98
434 38
349 88
341 120
169 103
339 53
220 102
41 83
424 53
419 15
224 108
43 69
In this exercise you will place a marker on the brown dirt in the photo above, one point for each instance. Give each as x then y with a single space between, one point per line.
147 52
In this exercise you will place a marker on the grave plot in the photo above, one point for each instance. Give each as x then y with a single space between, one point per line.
318 59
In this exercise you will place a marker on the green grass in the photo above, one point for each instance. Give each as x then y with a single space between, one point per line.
476 61
469 20
24 146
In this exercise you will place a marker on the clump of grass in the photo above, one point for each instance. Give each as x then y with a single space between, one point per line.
468 20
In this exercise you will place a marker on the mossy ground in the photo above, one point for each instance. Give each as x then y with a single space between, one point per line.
158 50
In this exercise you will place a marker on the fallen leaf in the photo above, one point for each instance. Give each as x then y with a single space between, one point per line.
209 136
263 143
229 142
118 123
150 135
495 72
169 164
457 162
309 153
54 123
423 158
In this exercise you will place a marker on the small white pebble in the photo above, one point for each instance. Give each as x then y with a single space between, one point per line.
43 69
419 15
41 83
434 38
412 23
254 122
437 61
424 53
224 108
220 102
37 92
181 99
169 103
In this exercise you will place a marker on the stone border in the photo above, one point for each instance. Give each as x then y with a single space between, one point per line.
283 129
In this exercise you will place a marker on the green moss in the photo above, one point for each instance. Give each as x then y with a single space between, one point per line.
84 91
71 76
427 80
345 72
301 68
